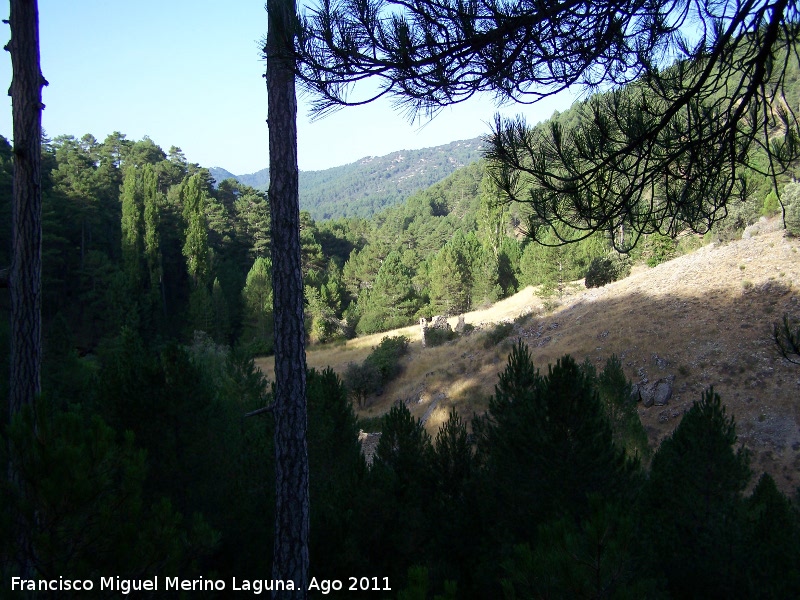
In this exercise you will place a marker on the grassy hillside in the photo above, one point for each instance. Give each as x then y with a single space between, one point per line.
705 318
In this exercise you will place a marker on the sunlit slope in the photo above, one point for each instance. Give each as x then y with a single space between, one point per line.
705 319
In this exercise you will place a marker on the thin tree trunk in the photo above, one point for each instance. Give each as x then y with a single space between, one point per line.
291 455
25 278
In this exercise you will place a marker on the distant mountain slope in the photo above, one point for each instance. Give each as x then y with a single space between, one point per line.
369 185
258 180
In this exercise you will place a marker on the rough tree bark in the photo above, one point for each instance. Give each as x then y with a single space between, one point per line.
25 277
289 409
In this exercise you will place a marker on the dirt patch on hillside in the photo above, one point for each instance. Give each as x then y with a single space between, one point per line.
705 318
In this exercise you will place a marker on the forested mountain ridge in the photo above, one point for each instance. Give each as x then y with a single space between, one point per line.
365 187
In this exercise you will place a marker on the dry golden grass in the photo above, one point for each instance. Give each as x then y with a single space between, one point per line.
705 318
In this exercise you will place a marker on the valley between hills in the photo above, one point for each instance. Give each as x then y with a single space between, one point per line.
704 318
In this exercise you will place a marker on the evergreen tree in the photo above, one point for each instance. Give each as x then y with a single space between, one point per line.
508 265
450 279
485 276
338 465
89 191
174 169
772 542
547 446
691 507
195 247
196 251
144 152
252 221
361 269
321 322
114 150
395 519
257 299
552 265
492 218
615 393
452 457
132 229
391 302
453 504
153 201
310 249
791 201
291 558
587 558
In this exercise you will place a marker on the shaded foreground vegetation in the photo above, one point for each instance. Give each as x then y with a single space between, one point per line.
142 464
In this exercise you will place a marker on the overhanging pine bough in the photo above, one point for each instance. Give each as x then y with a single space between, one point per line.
665 153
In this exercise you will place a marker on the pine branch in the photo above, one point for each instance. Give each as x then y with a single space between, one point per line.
787 338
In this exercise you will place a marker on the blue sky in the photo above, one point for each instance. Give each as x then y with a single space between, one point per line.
188 73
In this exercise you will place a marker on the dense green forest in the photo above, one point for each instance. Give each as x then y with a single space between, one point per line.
365 187
157 294
137 237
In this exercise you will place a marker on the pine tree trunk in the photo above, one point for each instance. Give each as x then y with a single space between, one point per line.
291 456
25 278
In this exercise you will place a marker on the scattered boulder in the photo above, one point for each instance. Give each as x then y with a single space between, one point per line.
660 362
657 393
662 390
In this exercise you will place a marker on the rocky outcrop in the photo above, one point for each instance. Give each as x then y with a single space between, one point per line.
440 322
656 393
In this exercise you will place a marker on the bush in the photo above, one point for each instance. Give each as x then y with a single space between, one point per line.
791 200
497 334
689 243
771 205
361 381
386 357
659 248
600 272
379 368
437 337
606 270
